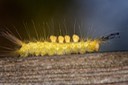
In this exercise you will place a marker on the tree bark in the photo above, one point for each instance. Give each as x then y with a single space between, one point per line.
94 68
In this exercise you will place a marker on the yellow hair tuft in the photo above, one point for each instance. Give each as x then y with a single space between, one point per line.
61 39
75 38
67 38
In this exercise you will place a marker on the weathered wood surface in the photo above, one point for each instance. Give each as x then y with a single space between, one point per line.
96 68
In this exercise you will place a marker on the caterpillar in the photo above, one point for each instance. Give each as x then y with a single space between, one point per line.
57 45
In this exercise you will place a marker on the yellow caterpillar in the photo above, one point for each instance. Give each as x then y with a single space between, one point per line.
57 45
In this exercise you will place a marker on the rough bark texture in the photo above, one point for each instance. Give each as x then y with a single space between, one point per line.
95 68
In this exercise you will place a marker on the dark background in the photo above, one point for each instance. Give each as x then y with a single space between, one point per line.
89 18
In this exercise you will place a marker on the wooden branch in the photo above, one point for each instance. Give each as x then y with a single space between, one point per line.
95 68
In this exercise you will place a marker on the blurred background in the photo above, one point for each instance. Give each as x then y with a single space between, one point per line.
87 18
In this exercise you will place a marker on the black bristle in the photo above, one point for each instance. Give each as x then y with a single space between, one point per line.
110 36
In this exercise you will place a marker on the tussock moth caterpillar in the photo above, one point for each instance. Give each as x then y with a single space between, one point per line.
57 45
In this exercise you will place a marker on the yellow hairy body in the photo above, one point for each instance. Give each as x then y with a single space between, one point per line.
58 46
